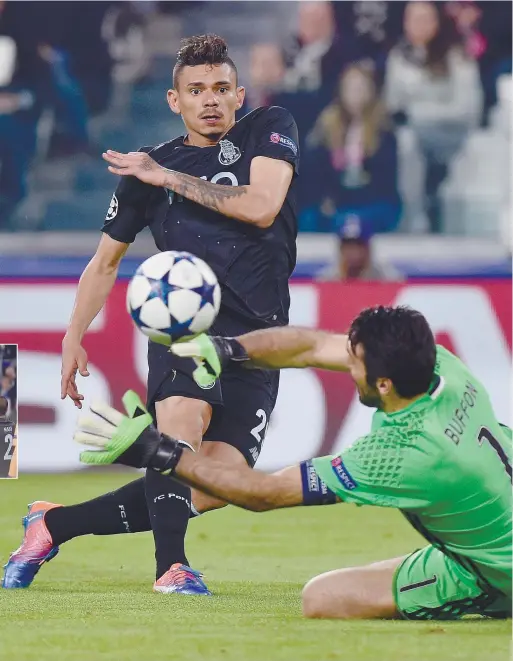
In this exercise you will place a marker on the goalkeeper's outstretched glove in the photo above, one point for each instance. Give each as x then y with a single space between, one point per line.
211 355
129 439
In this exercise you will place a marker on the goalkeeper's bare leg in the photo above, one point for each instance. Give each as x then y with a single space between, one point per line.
353 593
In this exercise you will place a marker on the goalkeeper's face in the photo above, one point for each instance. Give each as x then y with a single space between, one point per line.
369 395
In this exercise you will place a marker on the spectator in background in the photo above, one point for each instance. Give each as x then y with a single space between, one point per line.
318 53
266 74
23 76
433 87
72 43
376 25
466 17
495 26
355 260
64 95
269 86
351 160
74 29
124 30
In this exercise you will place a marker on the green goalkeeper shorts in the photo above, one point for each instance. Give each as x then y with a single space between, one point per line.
429 585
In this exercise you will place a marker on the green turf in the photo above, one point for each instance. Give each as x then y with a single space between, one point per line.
94 601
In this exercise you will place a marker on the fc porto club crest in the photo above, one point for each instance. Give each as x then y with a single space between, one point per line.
228 153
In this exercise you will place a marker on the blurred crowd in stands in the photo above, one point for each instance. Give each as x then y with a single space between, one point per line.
369 83
8 371
427 71
57 57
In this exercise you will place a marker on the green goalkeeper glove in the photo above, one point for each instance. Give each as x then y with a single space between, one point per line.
130 439
211 355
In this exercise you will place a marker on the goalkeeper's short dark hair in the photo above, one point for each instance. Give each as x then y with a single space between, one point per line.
398 344
201 49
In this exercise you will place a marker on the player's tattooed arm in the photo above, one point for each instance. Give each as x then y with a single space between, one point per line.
257 204
212 196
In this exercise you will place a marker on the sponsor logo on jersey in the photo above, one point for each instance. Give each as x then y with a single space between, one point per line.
228 153
343 475
254 453
278 139
113 208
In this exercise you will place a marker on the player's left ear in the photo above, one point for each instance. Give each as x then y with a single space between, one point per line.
241 93
173 102
384 386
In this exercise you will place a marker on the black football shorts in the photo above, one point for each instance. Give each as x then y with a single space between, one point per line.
242 400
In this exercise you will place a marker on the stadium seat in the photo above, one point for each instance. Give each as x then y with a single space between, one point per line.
411 181
477 189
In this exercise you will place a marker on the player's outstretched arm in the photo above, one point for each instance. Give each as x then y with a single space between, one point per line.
93 289
257 204
250 489
273 348
133 441
277 348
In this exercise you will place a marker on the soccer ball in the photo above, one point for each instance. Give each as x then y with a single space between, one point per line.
173 295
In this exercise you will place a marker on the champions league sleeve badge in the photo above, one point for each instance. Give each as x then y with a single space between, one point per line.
113 208
278 139
228 153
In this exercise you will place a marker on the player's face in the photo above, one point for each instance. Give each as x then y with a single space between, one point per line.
369 395
207 97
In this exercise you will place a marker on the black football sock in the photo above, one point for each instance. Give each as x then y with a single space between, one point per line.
169 505
120 511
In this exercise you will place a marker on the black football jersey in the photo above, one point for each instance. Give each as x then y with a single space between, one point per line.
7 432
253 265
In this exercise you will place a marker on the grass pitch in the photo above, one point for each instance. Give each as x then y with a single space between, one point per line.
94 601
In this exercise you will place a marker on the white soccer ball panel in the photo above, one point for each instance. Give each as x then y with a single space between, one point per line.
158 265
205 271
156 336
138 291
185 274
217 298
203 320
155 314
183 304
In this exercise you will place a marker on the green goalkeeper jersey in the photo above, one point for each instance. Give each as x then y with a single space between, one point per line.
445 462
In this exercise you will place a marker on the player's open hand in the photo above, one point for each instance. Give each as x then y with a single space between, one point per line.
129 439
74 359
136 164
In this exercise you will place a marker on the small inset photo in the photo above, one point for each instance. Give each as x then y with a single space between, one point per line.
8 411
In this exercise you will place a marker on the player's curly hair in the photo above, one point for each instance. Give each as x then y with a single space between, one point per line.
201 49
398 344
